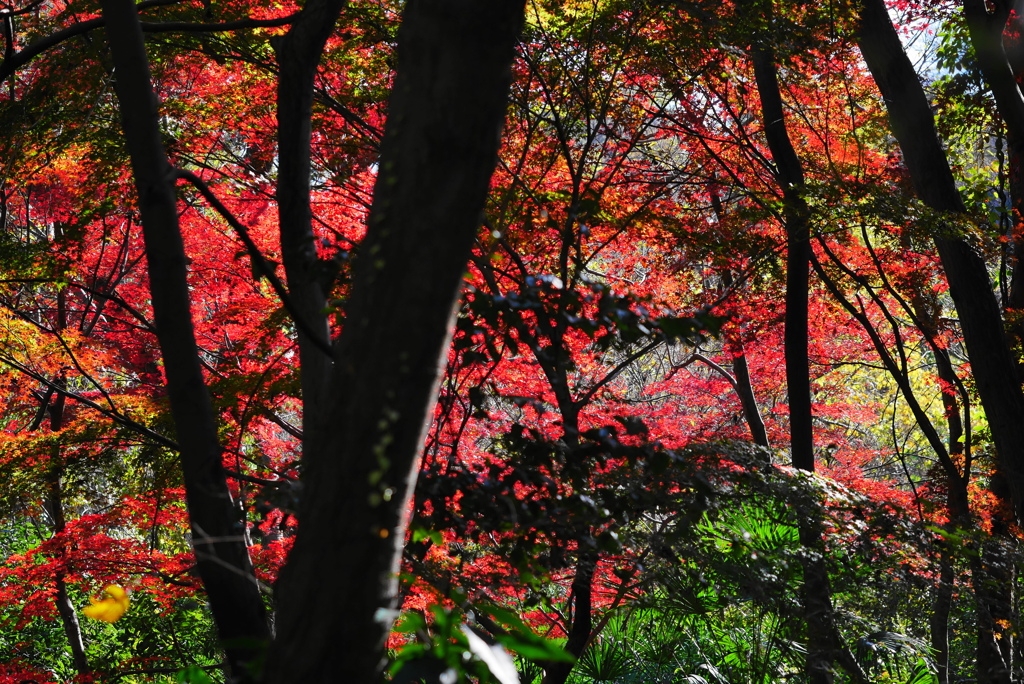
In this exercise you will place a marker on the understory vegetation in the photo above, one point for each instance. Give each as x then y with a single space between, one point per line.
706 370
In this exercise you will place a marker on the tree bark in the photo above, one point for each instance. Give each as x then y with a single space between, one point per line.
987 347
796 216
217 533
824 643
741 372
337 594
298 54
992 577
581 625
66 609
914 127
986 29
925 311
54 405
745 390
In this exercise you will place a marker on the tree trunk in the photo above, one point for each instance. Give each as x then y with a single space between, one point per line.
789 173
972 293
582 619
298 54
65 609
72 629
337 594
986 29
796 216
914 127
992 577
823 640
745 390
942 607
54 405
744 387
925 309
217 533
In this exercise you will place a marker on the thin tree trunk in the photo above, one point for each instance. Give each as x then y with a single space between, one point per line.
745 390
789 172
222 559
65 609
581 624
298 54
743 386
55 503
796 216
72 629
942 607
824 643
336 596
925 313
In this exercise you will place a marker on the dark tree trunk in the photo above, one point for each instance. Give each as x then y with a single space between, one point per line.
796 216
337 594
925 311
581 624
993 364
72 629
824 646
744 387
986 33
298 54
992 576
986 29
217 533
942 607
54 405
65 609
745 390
815 591
914 127
993 571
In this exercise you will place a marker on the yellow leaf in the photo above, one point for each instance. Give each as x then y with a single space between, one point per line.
111 607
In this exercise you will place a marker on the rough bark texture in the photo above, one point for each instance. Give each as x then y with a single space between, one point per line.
337 594
222 559
914 127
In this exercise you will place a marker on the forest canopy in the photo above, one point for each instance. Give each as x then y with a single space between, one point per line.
457 341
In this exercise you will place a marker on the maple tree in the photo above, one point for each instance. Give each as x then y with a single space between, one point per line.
727 389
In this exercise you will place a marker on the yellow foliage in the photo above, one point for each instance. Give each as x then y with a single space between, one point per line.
111 607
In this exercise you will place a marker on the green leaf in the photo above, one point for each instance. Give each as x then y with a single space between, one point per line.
193 674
